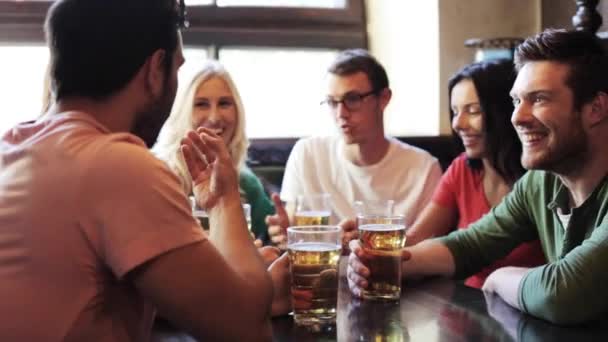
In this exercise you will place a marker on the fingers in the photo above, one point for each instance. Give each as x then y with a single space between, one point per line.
200 143
276 199
269 254
405 255
270 251
348 225
356 284
280 239
349 233
302 299
354 245
258 243
278 223
281 262
283 218
357 266
206 142
195 165
275 230
357 273
213 143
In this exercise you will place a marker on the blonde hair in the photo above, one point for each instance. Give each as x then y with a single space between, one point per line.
180 122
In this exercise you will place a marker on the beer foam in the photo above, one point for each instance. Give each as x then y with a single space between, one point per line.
314 247
313 213
382 227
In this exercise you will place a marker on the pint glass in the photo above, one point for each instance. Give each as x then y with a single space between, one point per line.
312 210
314 252
382 238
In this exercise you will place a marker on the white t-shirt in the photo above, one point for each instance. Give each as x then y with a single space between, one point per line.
408 175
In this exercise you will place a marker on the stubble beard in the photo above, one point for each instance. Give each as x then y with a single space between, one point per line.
149 122
564 157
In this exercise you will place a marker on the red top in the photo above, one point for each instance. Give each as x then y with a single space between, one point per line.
462 188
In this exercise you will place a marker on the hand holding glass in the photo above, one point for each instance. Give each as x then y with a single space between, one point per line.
382 239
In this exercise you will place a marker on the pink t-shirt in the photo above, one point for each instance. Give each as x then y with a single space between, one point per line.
462 188
80 207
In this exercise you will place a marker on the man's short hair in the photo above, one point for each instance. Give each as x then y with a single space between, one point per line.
97 46
352 61
582 51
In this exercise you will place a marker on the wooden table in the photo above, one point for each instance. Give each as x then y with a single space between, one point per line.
429 310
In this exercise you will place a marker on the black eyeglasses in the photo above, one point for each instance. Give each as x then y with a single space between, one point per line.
182 21
352 101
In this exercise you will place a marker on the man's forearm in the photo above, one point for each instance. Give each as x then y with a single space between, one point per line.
430 257
229 234
505 283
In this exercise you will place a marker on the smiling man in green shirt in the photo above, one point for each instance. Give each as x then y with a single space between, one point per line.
561 116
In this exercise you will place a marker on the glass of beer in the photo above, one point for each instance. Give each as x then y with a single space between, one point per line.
203 217
314 252
382 238
380 208
200 214
247 212
312 210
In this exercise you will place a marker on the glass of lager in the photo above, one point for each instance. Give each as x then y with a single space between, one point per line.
203 217
312 210
380 208
247 212
200 214
314 252
382 238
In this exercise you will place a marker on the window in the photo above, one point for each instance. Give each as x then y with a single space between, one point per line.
22 69
270 3
198 2
194 57
284 89
284 3
277 51
275 34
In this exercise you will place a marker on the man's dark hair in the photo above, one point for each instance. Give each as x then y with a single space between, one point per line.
352 61
582 51
97 46
493 81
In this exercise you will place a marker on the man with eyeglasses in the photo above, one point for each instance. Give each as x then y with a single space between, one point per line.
361 162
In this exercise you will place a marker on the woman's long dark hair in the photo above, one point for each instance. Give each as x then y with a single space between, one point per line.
493 81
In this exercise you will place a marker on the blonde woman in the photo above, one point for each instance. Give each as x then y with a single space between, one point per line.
212 100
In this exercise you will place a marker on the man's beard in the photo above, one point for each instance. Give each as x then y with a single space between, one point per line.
567 153
149 122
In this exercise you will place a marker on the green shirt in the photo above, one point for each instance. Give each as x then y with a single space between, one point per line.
570 287
254 194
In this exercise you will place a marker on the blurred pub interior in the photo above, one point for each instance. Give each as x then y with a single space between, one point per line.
277 52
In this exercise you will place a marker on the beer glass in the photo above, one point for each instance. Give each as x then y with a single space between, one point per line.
382 238
200 214
314 252
380 208
247 212
203 217
312 210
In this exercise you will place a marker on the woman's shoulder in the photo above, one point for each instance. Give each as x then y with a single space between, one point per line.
459 164
247 178
245 173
